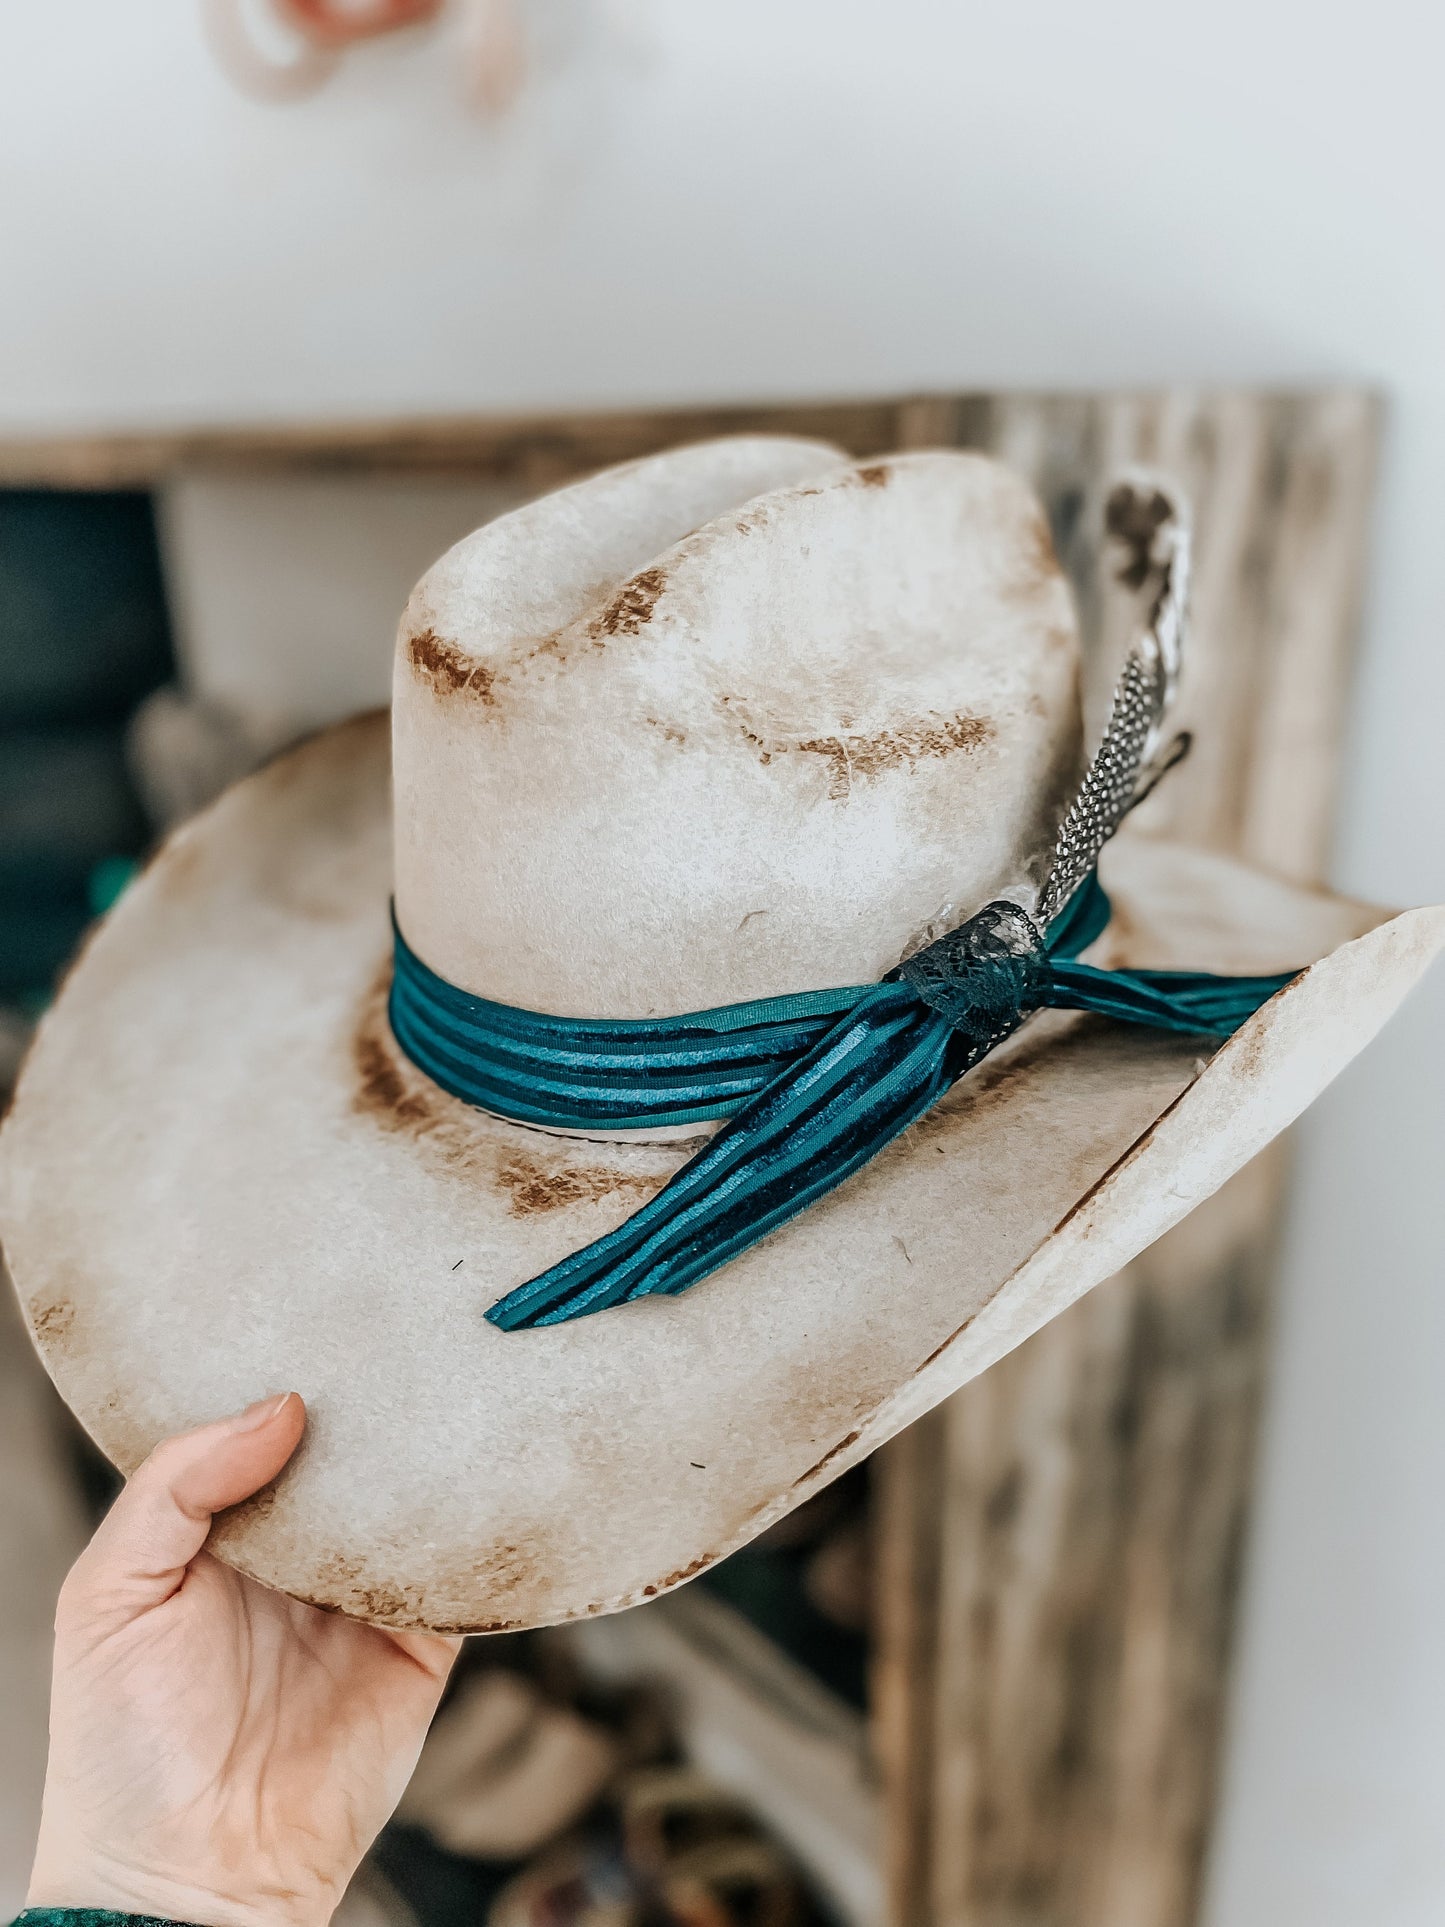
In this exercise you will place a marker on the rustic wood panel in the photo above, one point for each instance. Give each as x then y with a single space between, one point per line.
1060 1544
528 452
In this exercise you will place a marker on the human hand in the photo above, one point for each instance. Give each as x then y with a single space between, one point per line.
218 1752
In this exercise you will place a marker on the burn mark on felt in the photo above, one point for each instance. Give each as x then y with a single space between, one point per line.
1250 1042
397 1097
381 1089
402 1100
341 1590
849 1439
631 607
532 1187
450 670
671 1579
341 1587
1079 1209
850 755
51 1321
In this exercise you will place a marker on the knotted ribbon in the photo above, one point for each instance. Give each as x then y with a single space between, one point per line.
813 1085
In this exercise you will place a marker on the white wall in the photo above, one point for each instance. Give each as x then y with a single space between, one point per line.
752 198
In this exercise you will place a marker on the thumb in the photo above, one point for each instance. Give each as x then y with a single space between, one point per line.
140 1551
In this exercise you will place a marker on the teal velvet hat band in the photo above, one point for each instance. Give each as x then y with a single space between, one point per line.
814 1085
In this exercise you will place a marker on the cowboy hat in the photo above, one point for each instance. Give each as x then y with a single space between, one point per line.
715 732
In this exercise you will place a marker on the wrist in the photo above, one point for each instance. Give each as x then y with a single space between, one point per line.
102 1886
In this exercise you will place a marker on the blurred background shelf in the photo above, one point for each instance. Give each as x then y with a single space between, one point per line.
1026 1729
761 1725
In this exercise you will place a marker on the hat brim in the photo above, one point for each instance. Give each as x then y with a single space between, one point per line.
221 1179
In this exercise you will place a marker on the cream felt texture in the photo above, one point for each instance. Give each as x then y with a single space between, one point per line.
645 767
221 1179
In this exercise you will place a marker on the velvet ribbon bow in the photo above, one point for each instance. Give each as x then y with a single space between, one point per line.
812 1085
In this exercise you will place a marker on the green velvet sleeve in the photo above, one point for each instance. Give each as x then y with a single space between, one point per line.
91 1917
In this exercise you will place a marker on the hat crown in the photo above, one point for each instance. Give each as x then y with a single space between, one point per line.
739 720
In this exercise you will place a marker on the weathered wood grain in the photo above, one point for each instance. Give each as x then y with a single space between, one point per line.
529 452
1060 1544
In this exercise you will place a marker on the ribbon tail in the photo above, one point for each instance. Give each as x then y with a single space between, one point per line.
1188 1002
875 1069
820 1120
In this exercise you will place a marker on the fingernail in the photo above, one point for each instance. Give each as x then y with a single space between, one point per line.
261 1413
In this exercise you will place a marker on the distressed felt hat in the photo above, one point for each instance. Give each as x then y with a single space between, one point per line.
710 1048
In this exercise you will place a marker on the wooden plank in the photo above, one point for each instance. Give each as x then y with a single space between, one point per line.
909 1509
528 452
1059 1546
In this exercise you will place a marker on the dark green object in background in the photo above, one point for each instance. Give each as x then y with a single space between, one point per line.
84 633
84 637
